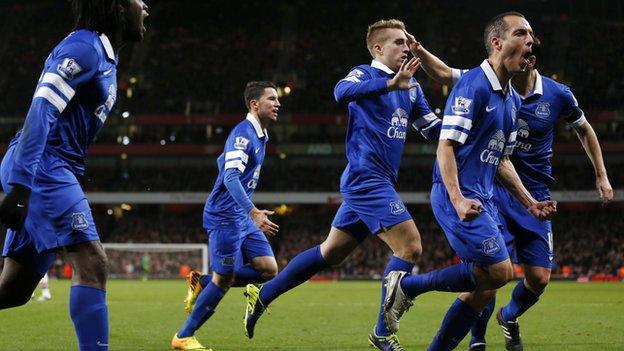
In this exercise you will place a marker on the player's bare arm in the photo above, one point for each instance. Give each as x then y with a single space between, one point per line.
467 209
261 219
435 68
588 138
401 80
507 174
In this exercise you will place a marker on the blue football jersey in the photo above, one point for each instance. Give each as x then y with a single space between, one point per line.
481 118
378 124
244 150
72 100
537 119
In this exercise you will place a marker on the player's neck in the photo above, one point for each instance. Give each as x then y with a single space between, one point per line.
262 121
502 74
524 83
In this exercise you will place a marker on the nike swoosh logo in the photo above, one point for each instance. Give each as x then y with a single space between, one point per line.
258 149
20 206
101 344
490 109
107 72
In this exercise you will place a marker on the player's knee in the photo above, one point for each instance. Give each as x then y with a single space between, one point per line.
224 282
538 282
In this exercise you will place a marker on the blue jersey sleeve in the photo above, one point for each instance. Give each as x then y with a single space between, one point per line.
232 182
570 109
237 149
462 107
65 70
424 120
358 84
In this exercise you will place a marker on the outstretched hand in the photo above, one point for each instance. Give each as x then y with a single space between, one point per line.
402 79
14 207
262 221
543 210
413 44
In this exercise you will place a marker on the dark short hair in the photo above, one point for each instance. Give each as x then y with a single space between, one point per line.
496 27
97 15
255 89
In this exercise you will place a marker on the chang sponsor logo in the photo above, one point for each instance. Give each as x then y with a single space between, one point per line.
524 131
398 125
494 149
253 183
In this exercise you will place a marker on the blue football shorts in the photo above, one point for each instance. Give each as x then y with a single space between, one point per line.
58 213
369 211
235 243
478 241
529 238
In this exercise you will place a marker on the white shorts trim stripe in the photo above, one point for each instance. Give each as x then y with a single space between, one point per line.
452 120
59 83
237 154
235 164
52 97
453 134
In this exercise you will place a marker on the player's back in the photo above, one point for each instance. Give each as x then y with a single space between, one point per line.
378 124
481 119
244 150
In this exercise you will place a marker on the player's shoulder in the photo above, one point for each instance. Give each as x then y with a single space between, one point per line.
556 90
360 71
81 45
473 82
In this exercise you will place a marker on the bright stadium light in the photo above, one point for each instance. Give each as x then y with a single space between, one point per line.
125 140
125 114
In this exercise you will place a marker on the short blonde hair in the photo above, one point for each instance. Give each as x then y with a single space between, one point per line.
375 33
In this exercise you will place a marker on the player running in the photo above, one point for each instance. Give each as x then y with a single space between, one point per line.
477 136
383 100
45 208
239 251
544 102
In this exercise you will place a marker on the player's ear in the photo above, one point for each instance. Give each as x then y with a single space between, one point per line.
496 43
253 104
378 49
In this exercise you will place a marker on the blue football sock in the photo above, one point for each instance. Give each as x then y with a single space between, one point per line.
242 276
205 306
456 324
521 300
301 268
479 329
456 278
395 264
88 311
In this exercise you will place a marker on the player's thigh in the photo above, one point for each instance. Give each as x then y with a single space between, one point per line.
338 245
224 247
89 263
17 283
403 239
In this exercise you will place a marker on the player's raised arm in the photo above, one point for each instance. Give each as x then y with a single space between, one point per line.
359 84
435 68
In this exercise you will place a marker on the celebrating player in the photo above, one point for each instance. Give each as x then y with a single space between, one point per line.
383 99
239 251
45 208
477 136
544 102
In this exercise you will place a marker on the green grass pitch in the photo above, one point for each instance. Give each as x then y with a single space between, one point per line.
316 316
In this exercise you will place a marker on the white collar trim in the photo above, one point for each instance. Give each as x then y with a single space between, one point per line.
107 46
539 88
381 66
491 76
254 122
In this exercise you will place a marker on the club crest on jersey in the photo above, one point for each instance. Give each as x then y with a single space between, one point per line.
398 125
461 105
69 68
543 109
397 207
491 246
79 221
494 149
240 143
228 261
